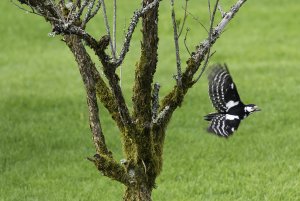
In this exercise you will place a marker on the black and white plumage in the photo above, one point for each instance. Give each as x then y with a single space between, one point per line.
226 100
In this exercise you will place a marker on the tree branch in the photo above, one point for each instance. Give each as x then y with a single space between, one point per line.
221 10
184 41
184 17
113 51
84 64
146 67
117 92
42 8
108 100
117 95
32 11
178 60
88 14
115 26
134 21
175 97
98 6
197 20
110 168
142 109
217 31
212 18
67 28
79 13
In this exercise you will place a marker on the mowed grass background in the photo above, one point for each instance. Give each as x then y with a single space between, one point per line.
44 131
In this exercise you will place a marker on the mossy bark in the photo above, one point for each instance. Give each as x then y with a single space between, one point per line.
137 193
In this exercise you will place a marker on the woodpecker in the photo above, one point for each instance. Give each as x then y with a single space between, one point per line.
226 100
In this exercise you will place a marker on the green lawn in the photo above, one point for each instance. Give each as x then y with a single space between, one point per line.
44 131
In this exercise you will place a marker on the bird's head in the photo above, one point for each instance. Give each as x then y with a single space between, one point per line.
250 108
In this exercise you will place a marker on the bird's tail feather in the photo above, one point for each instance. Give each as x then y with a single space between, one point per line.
210 116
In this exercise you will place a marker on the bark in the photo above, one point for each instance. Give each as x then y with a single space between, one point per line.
137 193
103 159
85 64
142 93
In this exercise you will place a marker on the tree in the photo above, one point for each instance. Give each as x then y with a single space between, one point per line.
142 130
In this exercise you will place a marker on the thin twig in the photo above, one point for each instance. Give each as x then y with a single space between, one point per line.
209 11
217 31
113 51
98 5
184 41
58 12
212 18
40 12
174 99
197 20
221 10
115 25
132 25
178 60
202 49
79 12
184 18
124 33
32 11
88 13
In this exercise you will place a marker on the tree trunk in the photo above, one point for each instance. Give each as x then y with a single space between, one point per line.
137 193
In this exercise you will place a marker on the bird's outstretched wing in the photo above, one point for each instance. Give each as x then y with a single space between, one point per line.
222 90
223 124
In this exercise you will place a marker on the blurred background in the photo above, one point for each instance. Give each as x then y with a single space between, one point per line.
44 130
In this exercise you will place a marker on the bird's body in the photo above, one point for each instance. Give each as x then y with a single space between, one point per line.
226 100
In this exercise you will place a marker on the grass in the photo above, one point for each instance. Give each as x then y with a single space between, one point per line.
44 130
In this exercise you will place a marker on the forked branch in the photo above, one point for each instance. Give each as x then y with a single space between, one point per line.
134 21
217 31
175 98
103 159
208 55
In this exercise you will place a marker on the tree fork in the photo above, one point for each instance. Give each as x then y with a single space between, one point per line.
103 159
142 109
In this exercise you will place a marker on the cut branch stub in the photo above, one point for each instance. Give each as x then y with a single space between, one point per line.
155 100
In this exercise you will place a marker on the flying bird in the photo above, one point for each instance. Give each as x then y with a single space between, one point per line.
226 100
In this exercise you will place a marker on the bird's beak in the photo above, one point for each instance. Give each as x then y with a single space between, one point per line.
257 109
